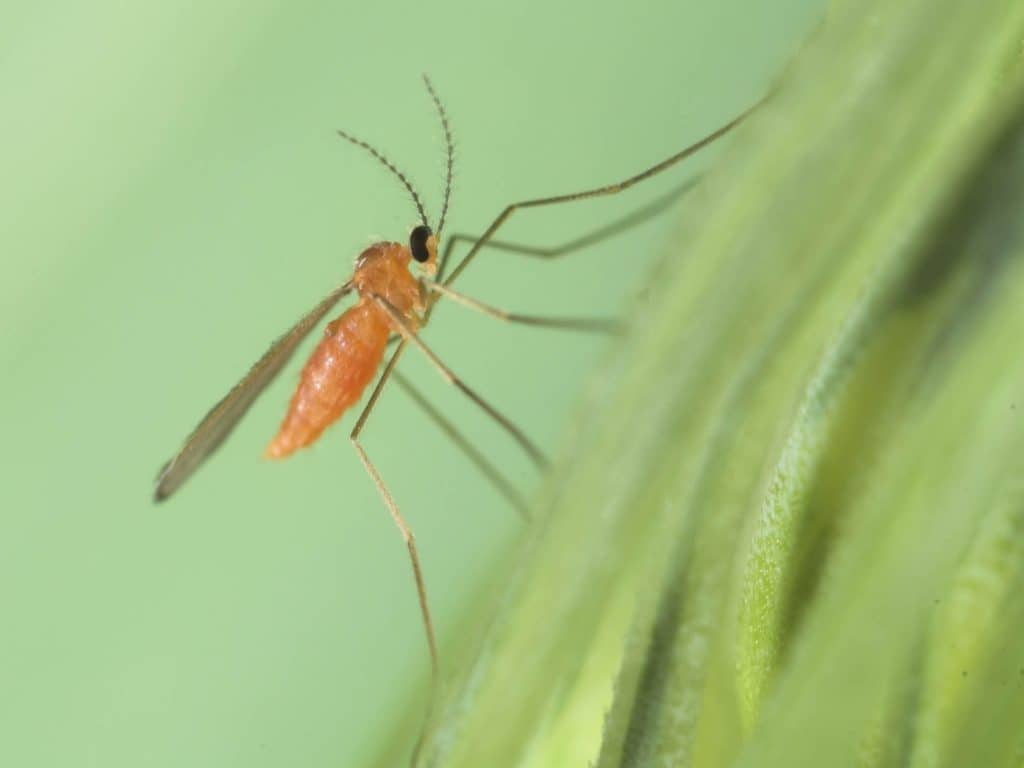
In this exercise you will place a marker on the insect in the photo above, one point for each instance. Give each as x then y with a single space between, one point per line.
393 306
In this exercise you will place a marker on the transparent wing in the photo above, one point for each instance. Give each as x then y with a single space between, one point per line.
222 418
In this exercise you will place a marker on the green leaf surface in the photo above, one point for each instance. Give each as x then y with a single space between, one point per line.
787 527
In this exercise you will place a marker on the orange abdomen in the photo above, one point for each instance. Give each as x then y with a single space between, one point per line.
334 378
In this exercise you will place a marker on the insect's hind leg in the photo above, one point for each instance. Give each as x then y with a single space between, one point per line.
389 502
487 469
408 334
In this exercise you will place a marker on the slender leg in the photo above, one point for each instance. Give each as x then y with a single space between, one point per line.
403 327
593 324
503 486
633 219
403 527
609 189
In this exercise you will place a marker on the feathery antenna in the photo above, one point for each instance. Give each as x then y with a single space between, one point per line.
391 167
449 147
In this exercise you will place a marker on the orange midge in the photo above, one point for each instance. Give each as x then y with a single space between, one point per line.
393 304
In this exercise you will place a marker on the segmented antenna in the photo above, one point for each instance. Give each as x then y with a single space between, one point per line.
448 145
391 167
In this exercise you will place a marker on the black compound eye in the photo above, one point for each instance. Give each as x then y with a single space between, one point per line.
418 243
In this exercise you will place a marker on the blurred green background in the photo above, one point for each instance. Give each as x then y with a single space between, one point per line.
173 198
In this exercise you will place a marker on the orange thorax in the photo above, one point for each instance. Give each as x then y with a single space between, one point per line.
383 270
